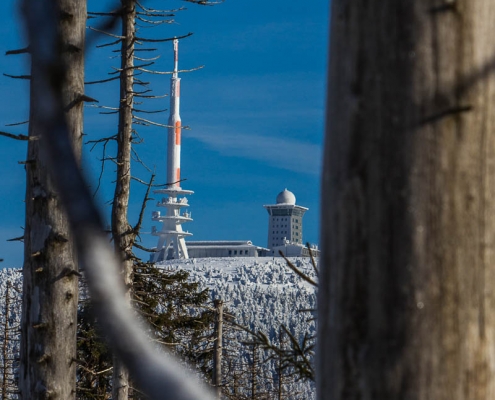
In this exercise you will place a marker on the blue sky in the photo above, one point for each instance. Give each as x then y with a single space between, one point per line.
255 113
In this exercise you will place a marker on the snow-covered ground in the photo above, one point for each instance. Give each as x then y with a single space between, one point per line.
263 293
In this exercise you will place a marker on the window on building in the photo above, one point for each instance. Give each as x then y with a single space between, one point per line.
245 251
235 252
230 252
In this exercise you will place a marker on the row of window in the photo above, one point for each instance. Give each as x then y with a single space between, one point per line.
285 231
240 252
284 219
297 233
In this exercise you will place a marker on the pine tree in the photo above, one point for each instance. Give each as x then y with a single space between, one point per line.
179 319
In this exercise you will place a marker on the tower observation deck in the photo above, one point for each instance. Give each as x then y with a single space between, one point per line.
171 243
285 223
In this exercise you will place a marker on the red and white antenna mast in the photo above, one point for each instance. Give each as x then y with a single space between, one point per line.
171 243
174 123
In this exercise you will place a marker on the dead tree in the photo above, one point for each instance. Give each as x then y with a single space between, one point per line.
218 347
49 309
122 232
124 235
408 228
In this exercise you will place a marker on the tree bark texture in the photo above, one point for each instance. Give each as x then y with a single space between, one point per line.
50 288
122 231
218 348
406 299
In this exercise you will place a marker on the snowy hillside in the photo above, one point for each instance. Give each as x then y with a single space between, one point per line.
262 293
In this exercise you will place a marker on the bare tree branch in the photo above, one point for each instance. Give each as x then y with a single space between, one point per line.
151 22
106 33
139 223
147 59
170 72
17 51
151 10
147 40
18 76
99 46
149 112
18 137
17 123
148 122
138 246
204 2
102 81
302 275
119 70
16 239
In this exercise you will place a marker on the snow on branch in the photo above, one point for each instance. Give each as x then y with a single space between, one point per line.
151 10
151 22
106 33
169 72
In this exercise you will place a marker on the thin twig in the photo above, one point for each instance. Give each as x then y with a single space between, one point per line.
18 137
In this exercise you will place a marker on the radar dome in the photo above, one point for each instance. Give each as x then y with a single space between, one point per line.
286 197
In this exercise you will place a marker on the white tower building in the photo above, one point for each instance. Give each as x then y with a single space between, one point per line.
285 222
171 243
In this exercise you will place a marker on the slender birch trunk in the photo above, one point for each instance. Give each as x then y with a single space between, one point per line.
406 297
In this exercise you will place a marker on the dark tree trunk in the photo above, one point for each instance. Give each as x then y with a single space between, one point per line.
122 232
49 310
408 221
218 348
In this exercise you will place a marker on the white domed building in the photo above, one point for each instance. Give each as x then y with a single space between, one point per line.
285 225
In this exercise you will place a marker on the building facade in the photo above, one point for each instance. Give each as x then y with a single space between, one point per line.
285 221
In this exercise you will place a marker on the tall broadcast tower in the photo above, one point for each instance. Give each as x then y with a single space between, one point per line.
171 243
